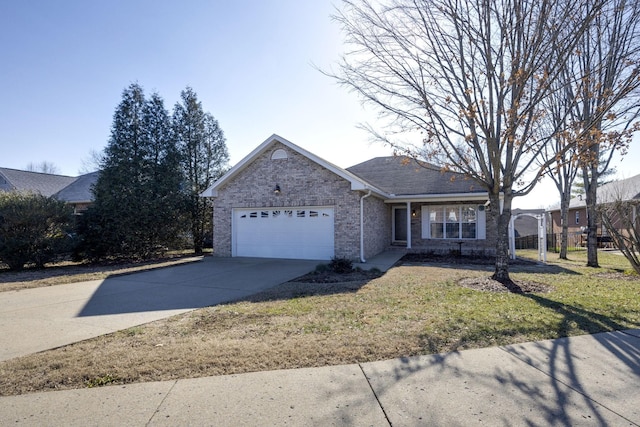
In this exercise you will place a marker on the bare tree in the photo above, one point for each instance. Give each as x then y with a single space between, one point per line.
619 212
43 167
470 77
92 162
606 78
563 150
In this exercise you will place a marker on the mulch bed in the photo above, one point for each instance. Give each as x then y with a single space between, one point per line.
458 259
333 277
487 284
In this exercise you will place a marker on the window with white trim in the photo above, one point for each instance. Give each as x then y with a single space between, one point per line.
451 222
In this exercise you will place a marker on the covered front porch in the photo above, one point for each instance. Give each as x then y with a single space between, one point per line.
440 224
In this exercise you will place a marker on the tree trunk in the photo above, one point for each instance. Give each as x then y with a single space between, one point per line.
564 222
592 218
501 220
196 225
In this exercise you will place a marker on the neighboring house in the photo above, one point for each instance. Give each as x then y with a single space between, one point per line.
282 201
577 217
75 191
79 193
626 190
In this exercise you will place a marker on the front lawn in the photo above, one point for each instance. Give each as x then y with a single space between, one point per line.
411 310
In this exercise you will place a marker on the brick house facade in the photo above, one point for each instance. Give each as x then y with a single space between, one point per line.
352 213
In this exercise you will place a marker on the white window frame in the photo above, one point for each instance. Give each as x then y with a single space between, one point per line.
480 221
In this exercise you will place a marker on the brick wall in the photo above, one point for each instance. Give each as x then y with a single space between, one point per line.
377 226
302 183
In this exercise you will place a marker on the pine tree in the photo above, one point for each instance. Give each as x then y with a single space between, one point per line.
204 157
603 178
137 196
164 175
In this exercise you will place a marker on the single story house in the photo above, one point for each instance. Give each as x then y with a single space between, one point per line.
75 191
281 201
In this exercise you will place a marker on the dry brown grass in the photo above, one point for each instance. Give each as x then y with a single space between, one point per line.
410 310
71 272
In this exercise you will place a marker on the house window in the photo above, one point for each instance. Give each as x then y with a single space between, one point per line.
279 154
452 222
577 217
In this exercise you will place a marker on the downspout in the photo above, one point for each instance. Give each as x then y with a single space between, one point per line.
362 226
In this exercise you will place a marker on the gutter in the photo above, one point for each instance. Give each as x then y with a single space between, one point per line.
417 198
362 226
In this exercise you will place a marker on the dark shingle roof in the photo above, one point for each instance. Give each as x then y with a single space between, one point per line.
34 182
405 176
79 190
67 188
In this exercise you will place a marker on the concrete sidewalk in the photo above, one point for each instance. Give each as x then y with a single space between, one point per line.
586 380
383 261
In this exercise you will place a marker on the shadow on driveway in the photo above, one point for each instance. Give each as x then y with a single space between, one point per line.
208 282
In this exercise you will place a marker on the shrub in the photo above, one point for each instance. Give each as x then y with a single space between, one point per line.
321 268
341 265
33 229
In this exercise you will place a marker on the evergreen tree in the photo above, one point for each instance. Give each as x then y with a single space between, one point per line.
204 158
138 192
604 177
164 172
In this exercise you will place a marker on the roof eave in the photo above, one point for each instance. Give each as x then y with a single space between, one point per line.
357 184
448 197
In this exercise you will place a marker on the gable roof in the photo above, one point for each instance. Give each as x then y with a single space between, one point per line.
404 176
80 190
357 183
35 182
66 188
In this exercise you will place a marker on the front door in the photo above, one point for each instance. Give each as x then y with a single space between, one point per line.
399 224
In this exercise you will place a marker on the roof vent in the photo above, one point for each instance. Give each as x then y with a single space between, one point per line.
279 154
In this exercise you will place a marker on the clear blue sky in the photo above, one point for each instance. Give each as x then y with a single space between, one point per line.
64 65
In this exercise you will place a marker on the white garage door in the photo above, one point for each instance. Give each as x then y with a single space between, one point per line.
297 233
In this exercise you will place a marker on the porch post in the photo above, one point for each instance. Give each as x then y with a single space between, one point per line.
408 225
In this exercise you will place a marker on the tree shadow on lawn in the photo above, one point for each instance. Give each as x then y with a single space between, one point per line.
565 381
519 266
291 290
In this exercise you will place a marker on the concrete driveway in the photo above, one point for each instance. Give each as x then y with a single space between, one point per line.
33 320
